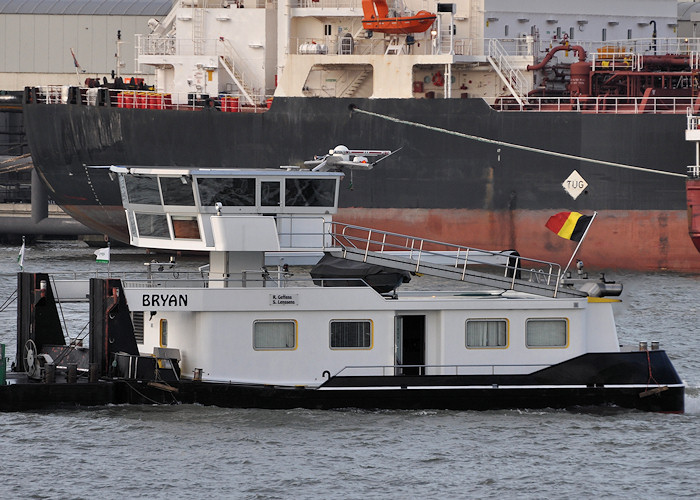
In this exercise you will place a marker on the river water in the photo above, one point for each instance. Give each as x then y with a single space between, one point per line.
192 451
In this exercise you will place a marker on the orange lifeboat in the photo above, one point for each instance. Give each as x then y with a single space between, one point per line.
375 19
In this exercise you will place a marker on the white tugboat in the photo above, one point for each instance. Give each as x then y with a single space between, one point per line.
243 335
248 336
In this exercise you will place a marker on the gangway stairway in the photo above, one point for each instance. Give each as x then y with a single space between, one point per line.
444 260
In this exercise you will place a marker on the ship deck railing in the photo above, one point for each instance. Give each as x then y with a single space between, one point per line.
74 287
638 46
447 369
147 99
506 270
602 105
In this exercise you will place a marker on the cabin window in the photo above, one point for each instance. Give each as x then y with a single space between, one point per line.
142 190
483 333
270 194
177 191
604 34
152 225
506 30
547 333
629 34
274 335
236 192
185 227
309 192
571 33
327 29
351 334
558 32
164 333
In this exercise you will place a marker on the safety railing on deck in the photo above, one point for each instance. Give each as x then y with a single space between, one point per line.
505 269
145 99
74 287
449 369
640 46
602 105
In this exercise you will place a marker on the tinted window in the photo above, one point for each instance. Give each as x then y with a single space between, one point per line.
142 190
177 191
228 192
309 192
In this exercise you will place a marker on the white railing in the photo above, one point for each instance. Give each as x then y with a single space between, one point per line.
327 4
144 99
603 105
627 48
512 77
449 369
457 259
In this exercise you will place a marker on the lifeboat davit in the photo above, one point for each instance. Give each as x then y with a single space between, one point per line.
376 19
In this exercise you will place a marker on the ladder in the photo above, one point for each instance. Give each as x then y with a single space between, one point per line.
198 31
394 46
513 78
227 57
444 260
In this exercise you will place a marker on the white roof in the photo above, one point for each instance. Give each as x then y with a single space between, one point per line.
87 7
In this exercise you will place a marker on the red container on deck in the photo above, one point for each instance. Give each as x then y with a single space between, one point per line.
229 104
125 99
141 100
154 101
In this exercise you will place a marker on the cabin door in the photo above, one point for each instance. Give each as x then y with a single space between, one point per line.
409 347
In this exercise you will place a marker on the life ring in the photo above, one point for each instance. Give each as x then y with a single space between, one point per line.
438 79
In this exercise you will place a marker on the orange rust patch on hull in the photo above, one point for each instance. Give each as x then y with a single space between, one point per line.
644 240
693 197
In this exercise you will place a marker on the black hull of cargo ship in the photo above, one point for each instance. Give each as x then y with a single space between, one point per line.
605 380
456 189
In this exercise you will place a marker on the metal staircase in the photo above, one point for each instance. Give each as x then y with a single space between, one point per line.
355 84
227 57
417 255
514 79
396 45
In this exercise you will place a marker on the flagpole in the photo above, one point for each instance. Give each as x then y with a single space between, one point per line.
20 256
579 243
77 66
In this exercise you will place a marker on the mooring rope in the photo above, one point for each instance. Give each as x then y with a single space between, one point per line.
8 301
515 146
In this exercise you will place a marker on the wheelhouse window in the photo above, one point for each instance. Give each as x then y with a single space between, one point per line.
486 333
309 192
177 191
547 332
270 194
275 335
351 334
152 225
234 192
185 227
142 190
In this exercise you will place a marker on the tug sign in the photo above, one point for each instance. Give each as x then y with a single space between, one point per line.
575 184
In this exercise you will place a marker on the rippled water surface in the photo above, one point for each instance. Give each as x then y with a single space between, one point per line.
192 451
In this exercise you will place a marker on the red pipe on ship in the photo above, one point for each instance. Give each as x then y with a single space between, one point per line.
580 51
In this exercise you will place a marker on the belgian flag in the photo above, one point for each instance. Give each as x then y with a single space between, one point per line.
569 225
